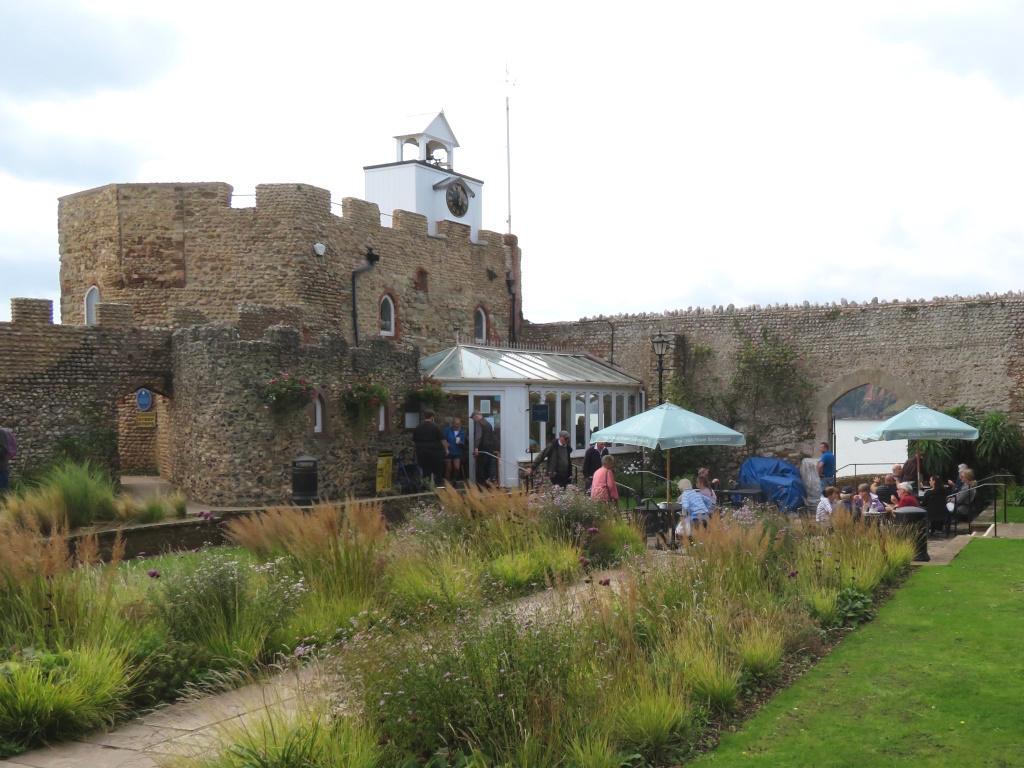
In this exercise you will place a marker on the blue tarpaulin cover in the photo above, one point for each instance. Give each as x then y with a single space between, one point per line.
779 480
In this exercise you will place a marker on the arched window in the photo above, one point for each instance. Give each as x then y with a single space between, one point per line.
318 414
92 298
387 315
480 325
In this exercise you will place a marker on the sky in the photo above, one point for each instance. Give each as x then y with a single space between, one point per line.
662 155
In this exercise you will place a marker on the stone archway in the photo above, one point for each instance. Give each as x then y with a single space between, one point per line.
827 395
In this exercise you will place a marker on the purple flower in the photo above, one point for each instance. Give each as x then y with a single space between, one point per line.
593 530
153 574
792 574
141 554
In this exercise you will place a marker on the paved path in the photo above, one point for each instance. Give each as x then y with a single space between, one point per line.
191 728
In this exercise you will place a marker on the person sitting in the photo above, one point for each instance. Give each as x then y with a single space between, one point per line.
886 490
959 484
874 484
934 502
909 472
823 515
704 488
965 496
603 487
866 502
905 497
695 507
845 502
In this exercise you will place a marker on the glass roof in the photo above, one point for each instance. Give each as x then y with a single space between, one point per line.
472 363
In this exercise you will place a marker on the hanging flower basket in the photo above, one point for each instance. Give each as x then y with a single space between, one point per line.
287 394
362 400
429 393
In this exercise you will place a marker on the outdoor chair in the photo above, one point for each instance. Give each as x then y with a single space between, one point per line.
963 508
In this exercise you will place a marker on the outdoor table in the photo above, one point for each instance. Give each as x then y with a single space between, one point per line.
744 493
663 514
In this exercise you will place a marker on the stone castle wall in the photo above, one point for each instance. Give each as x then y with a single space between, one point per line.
941 353
158 247
61 380
233 451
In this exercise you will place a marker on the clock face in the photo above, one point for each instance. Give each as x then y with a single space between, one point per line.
457 198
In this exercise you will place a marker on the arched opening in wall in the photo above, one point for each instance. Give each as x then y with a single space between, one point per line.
854 413
387 315
92 298
480 325
410 151
145 447
318 414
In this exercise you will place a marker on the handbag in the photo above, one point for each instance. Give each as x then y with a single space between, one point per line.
950 505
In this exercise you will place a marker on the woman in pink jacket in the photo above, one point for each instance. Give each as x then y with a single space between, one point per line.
603 488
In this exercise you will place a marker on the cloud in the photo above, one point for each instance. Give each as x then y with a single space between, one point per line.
51 49
983 42
28 153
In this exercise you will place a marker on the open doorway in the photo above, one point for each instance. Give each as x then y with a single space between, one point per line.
858 411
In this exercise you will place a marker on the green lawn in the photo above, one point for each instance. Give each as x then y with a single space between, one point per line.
1013 514
936 680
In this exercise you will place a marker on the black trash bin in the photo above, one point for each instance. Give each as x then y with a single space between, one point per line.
304 480
916 518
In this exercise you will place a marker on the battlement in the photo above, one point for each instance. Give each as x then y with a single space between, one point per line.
834 308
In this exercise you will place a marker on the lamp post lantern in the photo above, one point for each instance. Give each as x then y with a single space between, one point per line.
661 344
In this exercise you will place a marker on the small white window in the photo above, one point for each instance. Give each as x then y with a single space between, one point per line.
480 325
387 316
318 414
92 298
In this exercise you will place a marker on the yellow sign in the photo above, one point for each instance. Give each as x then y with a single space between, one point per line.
384 459
147 420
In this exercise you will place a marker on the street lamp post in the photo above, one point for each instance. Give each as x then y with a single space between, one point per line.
661 344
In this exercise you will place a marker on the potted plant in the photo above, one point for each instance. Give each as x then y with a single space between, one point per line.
428 393
287 394
362 399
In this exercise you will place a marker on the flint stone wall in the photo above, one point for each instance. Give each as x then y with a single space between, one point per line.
941 353
66 380
233 451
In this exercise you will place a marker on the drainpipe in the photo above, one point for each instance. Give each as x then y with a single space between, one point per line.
371 259
510 283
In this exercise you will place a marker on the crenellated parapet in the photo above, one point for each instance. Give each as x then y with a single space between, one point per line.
161 248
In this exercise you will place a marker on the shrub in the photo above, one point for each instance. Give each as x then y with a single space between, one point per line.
226 606
568 513
46 696
166 669
614 540
655 723
335 548
287 739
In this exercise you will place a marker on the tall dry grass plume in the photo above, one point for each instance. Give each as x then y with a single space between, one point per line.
333 545
43 509
493 503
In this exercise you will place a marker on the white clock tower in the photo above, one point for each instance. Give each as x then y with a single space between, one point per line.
428 184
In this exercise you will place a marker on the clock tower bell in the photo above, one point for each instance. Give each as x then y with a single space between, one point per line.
427 184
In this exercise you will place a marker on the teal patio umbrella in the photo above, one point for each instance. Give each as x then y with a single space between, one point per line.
668 426
919 422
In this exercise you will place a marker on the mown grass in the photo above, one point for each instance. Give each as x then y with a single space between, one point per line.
934 681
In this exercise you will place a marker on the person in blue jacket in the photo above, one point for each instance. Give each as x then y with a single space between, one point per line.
455 435
827 467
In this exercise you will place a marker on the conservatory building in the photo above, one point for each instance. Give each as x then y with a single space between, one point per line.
529 397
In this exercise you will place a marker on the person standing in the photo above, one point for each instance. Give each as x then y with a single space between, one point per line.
7 447
455 436
826 467
592 461
431 448
558 455
604 488
485 447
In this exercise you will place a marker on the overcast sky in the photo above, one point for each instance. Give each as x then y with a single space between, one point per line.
669 155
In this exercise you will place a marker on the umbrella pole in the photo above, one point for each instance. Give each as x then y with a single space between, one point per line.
668 474
918 445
